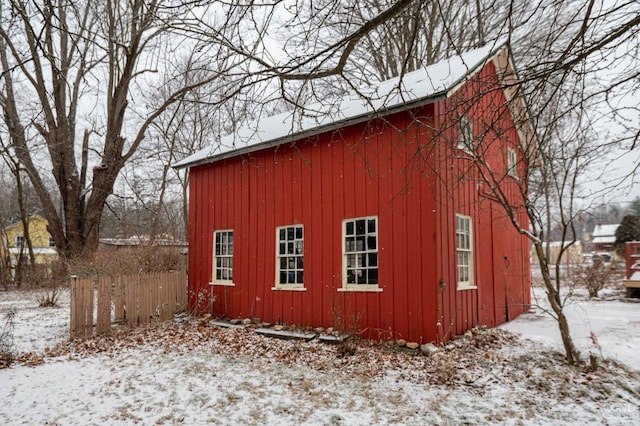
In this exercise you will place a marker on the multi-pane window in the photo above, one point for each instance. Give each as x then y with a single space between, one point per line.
465 135
512 163
223 257
464 251
52 242
289 258
19 241
361 251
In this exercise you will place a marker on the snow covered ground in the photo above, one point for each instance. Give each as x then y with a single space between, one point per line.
191 372
615 321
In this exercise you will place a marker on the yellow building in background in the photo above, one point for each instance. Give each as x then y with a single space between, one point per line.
14 244
572 254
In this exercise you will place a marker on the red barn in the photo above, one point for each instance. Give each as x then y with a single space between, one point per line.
370 216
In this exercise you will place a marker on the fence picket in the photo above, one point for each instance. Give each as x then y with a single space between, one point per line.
118 299
104 306
75 303
87 314
130 303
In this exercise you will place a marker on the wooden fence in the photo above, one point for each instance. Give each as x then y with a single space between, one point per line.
129 299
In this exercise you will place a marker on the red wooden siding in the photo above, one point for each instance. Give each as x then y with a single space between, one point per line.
500 262
412 181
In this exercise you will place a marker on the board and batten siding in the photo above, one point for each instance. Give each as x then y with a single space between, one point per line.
359 171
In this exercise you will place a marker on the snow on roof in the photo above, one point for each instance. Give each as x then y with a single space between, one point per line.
605 231
138 240
414 88
36 250
608 239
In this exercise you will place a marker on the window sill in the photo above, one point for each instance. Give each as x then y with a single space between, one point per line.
466 287
465 150
288 288
361 288
229 284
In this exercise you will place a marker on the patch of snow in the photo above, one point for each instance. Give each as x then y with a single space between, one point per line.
36 328
615 323
193 373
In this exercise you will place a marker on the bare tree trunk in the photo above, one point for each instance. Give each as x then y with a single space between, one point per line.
24 219
553 295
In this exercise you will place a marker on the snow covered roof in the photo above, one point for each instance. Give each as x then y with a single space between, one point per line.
605 231
36 250
416 88
139 240
607 239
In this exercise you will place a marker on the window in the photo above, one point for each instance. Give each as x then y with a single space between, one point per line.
465 135
289 257
52 243
223 257
19 241
512 162
464 251
360 254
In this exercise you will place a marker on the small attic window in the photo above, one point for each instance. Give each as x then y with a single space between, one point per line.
465 134
512 163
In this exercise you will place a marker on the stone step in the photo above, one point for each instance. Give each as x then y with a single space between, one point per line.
285 334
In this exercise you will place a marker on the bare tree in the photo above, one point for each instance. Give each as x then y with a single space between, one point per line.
423 33
69 74
25 256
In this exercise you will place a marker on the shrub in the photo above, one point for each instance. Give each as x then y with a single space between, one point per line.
49 280
7 349
143 259
594 277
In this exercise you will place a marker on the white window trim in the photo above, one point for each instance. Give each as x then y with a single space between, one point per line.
289 287
346 287
278 285
221 282
464 145
466 285
512 163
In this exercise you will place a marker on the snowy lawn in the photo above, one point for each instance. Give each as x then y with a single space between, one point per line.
615 322
191 372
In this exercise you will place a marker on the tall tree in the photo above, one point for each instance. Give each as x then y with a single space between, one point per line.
71 76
